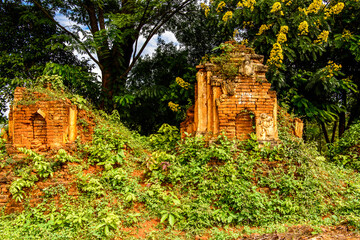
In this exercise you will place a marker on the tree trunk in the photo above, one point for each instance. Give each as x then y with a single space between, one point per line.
334 132
113 59
342 116
342 123
325 132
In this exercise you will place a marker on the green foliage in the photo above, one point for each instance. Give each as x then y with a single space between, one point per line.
227 69
37 166
311 48
90 184
152 85
25 36
77 79
53 81
189 185
225 184
16 188
166 137
63 156
48 221
40 165
152 80
3 153
108 221
346 151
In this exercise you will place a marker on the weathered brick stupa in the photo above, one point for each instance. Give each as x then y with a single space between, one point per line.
40 123
232 96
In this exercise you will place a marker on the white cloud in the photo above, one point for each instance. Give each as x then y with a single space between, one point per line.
152 45
169 37
65 22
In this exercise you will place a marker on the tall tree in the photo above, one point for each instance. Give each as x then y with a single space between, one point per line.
115 28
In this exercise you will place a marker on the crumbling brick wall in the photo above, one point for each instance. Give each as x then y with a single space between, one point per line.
238 106
43 123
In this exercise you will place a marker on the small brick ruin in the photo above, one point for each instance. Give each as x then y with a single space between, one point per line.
234 106
43 124
40 123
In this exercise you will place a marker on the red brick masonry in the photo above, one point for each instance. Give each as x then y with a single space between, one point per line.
238 106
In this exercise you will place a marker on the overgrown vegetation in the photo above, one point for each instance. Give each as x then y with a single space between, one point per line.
188 185
346 151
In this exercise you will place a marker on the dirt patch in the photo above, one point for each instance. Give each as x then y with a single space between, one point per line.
142 229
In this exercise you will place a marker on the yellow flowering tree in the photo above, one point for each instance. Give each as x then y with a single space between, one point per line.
298 39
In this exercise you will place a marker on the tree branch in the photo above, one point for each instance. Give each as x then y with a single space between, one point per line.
153 32
47 14
140 26
334 131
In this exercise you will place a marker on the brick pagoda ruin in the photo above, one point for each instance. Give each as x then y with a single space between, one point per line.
42 123
234 106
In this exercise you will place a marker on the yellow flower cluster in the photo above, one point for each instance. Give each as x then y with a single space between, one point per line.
288 3
304 28
221 5
206 9
331 68
228 15
182 83
281 37
263 28
315 6
323 37
174 106
284 29
276 55
336 9
346 34
276 7
244 42
247 3
303 10
248 24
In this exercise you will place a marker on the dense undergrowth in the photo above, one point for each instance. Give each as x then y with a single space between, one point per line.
346 152
190 186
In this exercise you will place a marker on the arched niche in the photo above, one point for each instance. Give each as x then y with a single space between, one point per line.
244 124
39 128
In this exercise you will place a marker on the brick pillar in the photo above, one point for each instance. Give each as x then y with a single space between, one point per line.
275 119
210 104
11 124
216 95
196 108
201 101
72 123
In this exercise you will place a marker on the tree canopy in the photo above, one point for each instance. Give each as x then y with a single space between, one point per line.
312 48
28 41
115 28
